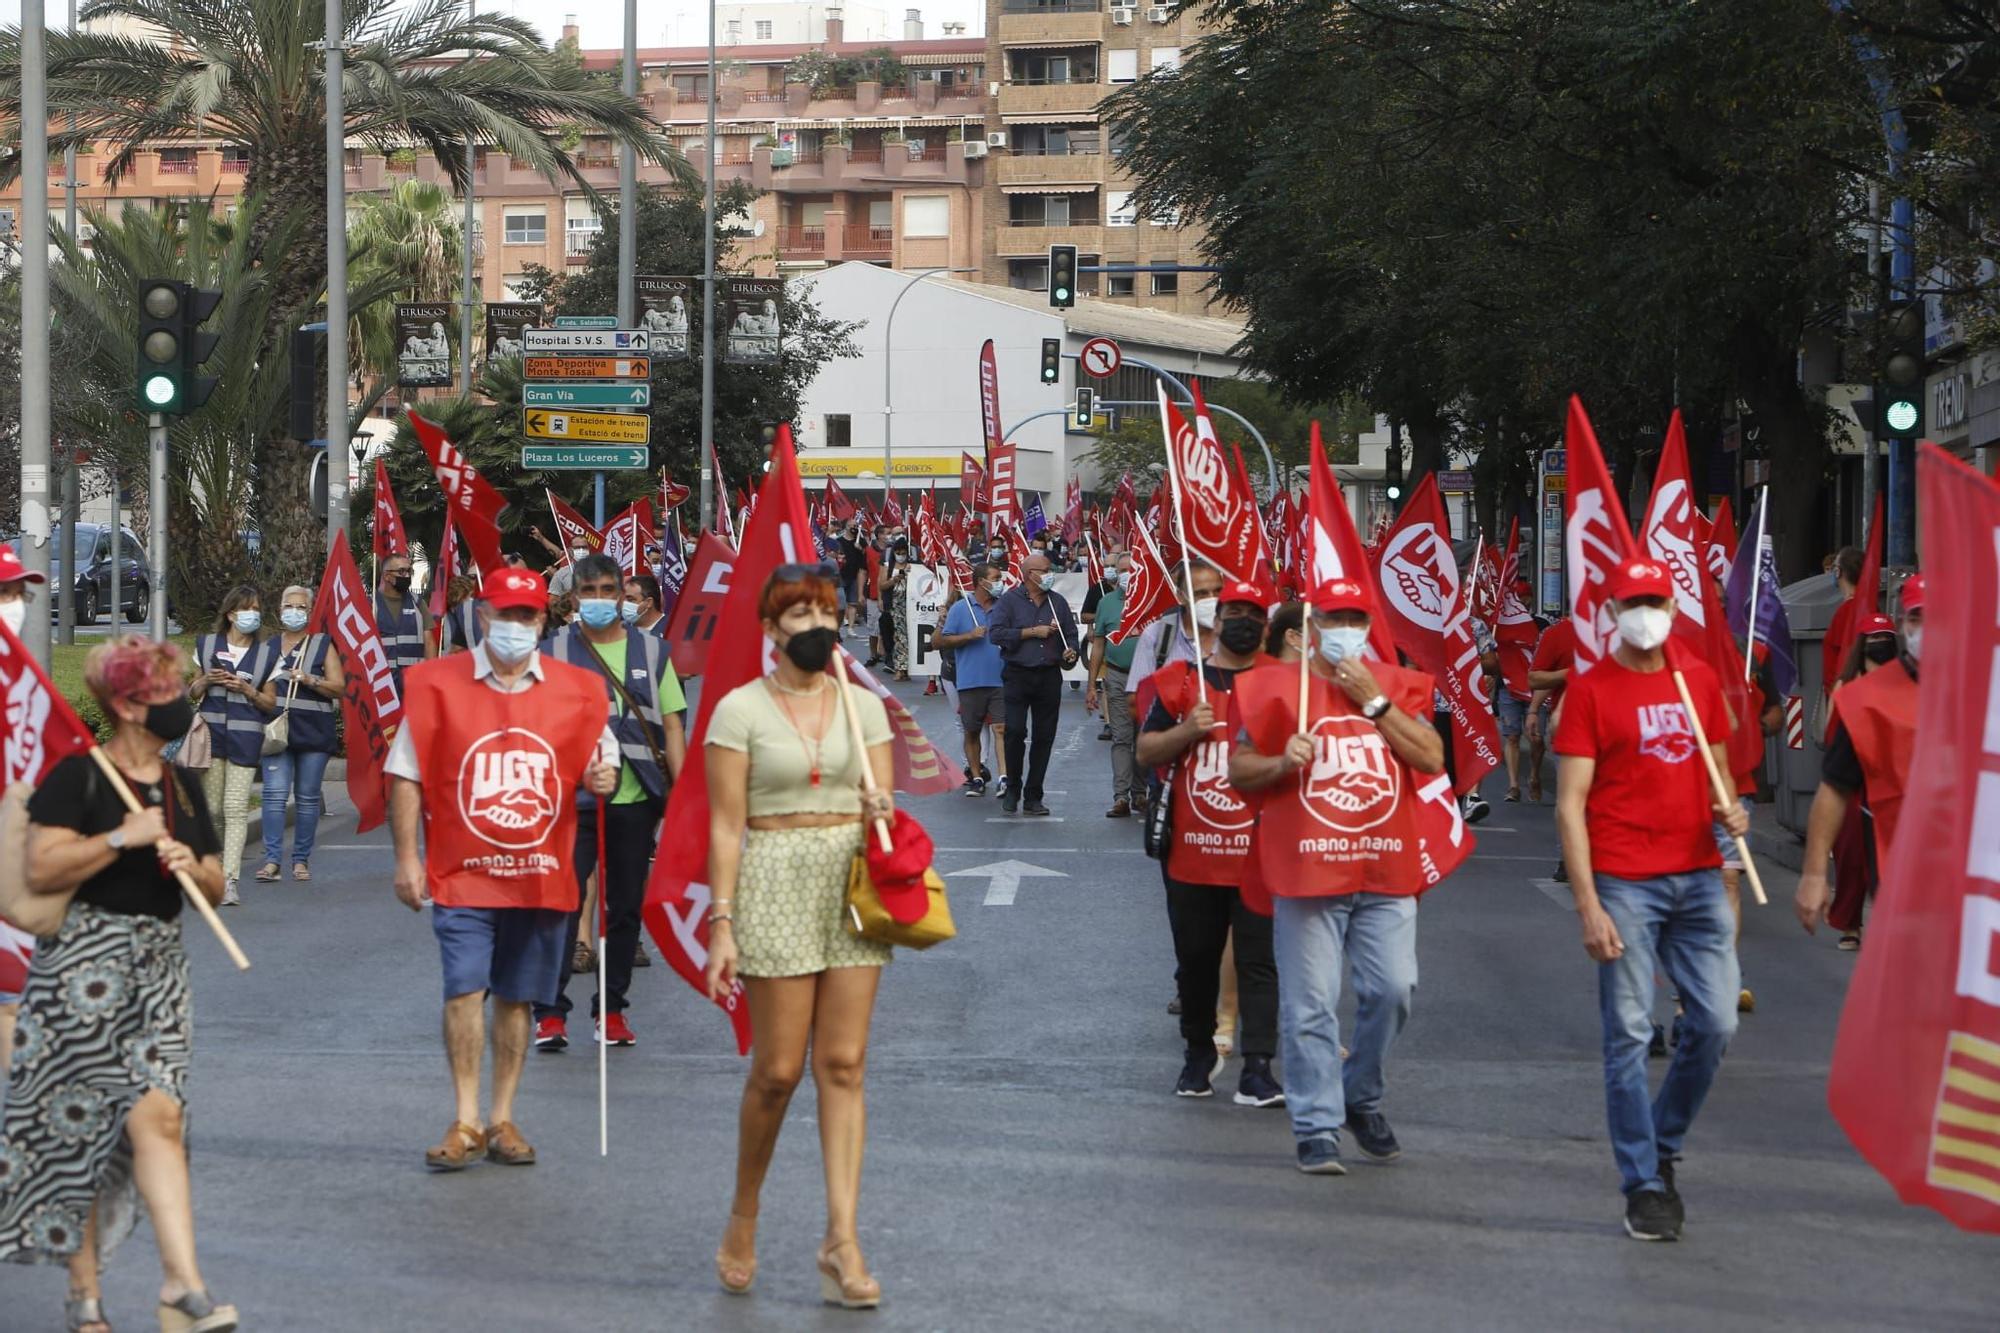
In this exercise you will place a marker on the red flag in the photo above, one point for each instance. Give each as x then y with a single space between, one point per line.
1002 501
1152 593
447 570
1217 522
1486 584
625 537
1072 524
572 528
1430 611
469 497
1093 568
691 627
838 506
920 769
1916 1065
38 729
971 483
1515 634
1669 536
989 400
373 710
672 494
1598 537
892 509
1124 493
1017 551
1722 541
724 524
389 536
1333 547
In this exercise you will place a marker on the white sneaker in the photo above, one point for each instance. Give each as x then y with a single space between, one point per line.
229 898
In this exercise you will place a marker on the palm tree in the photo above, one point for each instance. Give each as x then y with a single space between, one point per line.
410 241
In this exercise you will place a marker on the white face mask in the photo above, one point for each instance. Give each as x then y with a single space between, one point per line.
1340 642
1645 627
1125 581
15 614
1205 610
293 617
1913 638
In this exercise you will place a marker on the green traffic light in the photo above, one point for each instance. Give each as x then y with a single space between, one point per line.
1902 414
160 390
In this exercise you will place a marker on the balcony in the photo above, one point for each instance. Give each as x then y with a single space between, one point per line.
179 166
236 166
1049 168
802 242
1035 238
866 242
1077 99
1054 24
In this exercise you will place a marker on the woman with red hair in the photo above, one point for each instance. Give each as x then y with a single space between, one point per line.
785 820
96 1117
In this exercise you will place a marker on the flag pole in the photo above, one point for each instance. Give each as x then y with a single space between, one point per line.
1187 561
1756 586
188 886
603 998
1715 784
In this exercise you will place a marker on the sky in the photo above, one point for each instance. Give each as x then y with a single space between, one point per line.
680 23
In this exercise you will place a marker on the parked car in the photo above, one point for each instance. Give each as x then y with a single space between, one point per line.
92 575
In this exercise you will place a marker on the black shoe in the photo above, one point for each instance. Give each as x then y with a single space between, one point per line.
1035 808
1002 786
640 958
1104 733
973 787
1476 808
1373 1136
1009 802
1174 1005
1673 1193
985 775
1656 1049
1194 1075
1321 1157
1562 873
1649 1215
1255 1086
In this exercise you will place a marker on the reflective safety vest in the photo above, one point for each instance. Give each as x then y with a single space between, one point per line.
235 725
402 635
645 660
311 714
1211 820
1879 713
499 777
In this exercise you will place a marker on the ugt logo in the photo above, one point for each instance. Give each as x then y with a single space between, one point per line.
1353 782
507 789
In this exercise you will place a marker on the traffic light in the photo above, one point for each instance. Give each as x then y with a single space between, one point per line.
172 346
1899 398
1086 407
1051 360
1062 276
1392 472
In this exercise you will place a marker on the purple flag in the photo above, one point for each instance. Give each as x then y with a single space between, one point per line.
672 571
1033 522
1757 559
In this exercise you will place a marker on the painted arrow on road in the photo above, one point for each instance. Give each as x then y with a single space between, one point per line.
1007 877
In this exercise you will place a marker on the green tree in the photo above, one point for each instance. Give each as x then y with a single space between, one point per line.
411 242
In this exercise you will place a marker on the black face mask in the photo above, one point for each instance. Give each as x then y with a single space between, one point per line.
171 720
1241 636
810 650
1880 650
400 583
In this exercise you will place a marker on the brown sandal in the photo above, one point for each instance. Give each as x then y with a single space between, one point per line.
461 1147
505 1145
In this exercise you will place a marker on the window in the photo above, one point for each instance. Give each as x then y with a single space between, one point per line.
1119 210
1122 65
839 430
1166 284
1166 57
1168 217
1028 275
1121 141
1118 284
525 228
882 213
763 30
926 215
691 87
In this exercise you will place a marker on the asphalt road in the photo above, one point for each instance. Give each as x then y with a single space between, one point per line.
1028 1166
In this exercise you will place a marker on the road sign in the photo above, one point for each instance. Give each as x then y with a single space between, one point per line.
601 427
583 457
545 341
586 321
1100 357
1459 480
586 395
587 368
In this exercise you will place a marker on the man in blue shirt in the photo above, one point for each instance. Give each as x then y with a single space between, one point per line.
977 661
1036 634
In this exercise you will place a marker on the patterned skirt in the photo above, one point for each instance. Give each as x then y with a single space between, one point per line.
791 903
104 1019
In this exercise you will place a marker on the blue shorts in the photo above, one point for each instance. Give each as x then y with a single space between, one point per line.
1513 714
515 952
1726 844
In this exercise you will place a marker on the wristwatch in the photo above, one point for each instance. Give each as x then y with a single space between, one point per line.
116 840
1375 707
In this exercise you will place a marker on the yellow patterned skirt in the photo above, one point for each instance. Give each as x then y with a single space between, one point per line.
791 903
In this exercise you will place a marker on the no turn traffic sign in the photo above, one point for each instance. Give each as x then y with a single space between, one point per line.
1100 357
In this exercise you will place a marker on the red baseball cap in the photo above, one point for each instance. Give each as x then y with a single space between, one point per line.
507 588
1640 578
1240 591
11 570
1913 593
1874 623
1341 595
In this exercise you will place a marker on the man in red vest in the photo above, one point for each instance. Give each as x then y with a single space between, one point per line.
494 743
1211 824
1874 733
1339 848
1637 816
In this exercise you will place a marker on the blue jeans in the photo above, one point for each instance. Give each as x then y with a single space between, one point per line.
1314 939
1682 924
286 773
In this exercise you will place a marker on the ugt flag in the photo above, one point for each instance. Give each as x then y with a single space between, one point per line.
1756 566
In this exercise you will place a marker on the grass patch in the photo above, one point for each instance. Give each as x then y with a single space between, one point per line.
66 674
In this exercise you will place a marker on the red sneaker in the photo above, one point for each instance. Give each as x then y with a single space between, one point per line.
551 1034
616 1031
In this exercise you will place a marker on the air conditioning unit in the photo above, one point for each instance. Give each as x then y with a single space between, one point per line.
977 147
1158 14
997 140
1121 15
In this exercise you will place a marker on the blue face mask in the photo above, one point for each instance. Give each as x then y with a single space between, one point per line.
597 612
509 642
1342 641
249 622
628 612
293 617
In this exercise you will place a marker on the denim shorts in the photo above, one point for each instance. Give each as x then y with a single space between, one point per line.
1726 844
515 952
1513 714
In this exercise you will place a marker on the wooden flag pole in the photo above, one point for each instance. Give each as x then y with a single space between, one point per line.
860 747
188 886
1715 784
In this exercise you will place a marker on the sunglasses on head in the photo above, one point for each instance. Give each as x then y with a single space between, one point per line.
793 573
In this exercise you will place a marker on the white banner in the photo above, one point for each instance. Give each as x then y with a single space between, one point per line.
924 611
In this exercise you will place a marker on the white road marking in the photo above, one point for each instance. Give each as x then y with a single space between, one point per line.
1006 879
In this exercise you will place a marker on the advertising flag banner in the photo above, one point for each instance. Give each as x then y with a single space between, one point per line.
506 321
390 538
370 706
423 344
1002 500
665 305
1916 1064
1598 539
752 335
989 399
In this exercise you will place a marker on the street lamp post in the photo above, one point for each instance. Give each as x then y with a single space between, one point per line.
888 364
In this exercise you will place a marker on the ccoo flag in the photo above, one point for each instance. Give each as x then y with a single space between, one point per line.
1757 565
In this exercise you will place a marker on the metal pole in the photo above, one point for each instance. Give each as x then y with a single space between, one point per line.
628 210
888 360
1270 464
66 532
1870 466
339 437
34 544
156 503
468 298
709 499
117 547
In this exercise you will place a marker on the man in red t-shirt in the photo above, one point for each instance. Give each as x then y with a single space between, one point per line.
1636 809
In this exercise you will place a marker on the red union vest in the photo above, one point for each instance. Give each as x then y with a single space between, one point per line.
1357 819
1212 822
500 773
1879 711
